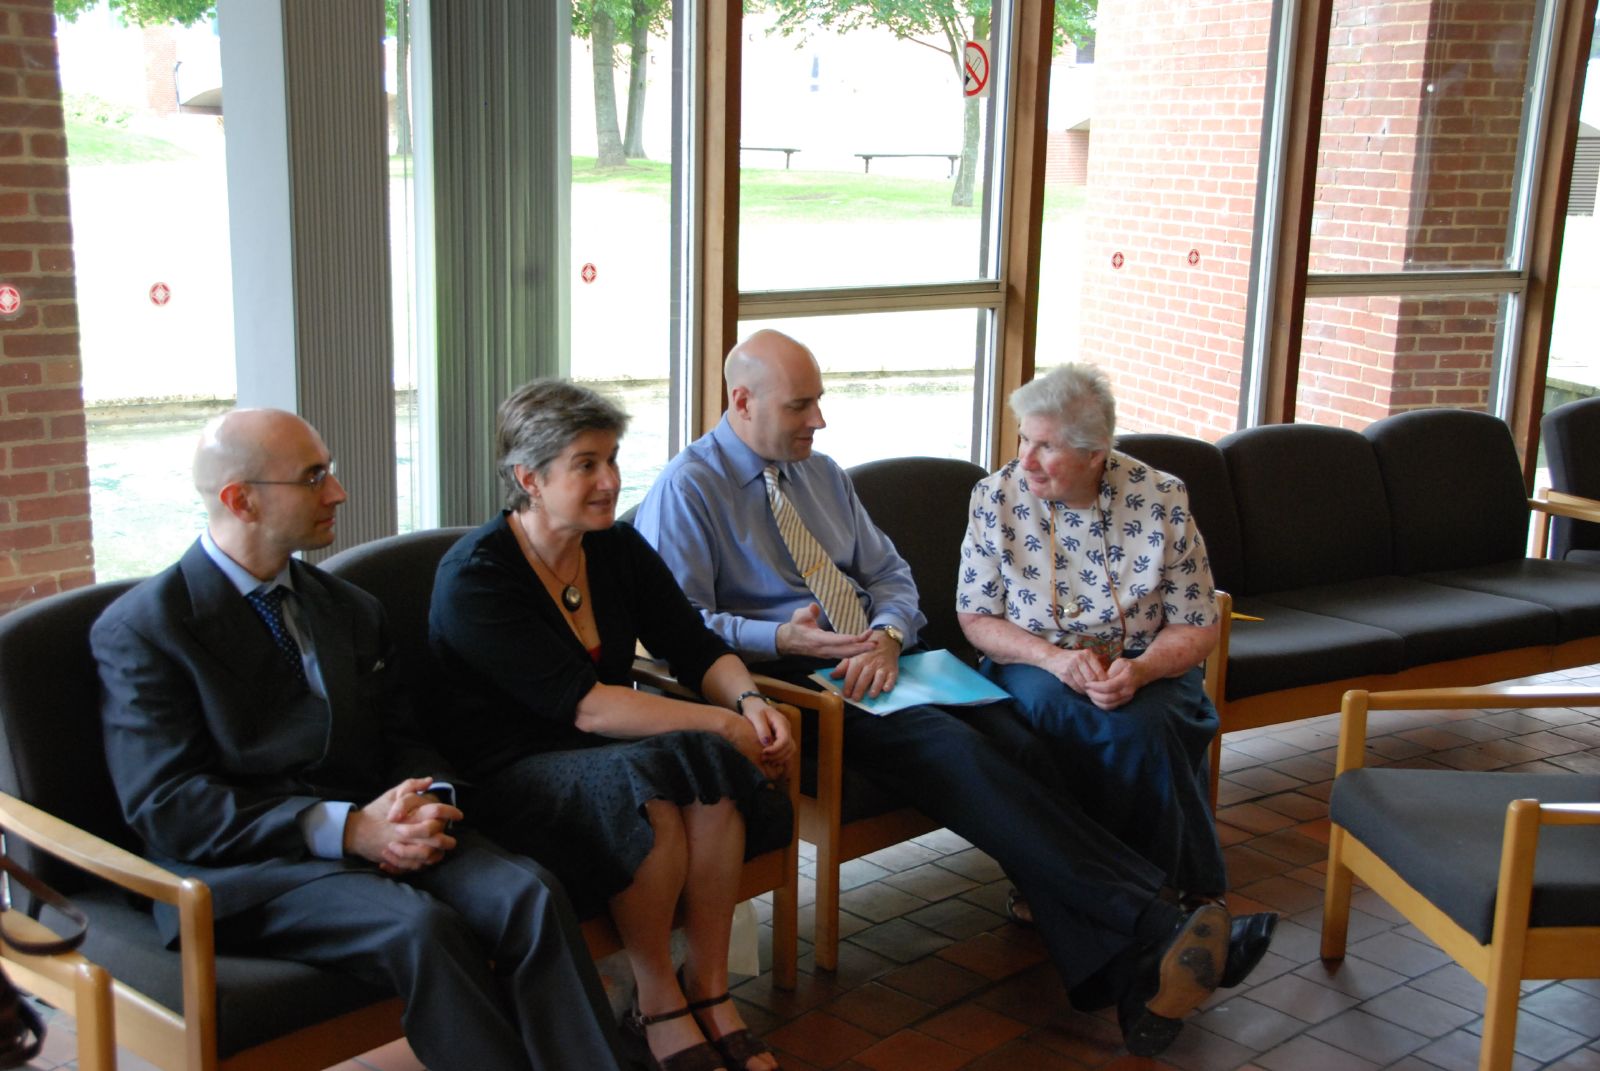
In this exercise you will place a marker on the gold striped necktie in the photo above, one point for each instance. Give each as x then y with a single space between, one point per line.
834 592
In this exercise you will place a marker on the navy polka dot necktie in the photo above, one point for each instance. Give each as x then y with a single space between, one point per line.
269 604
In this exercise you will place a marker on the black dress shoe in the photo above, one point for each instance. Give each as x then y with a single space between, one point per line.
1173 979
1248 939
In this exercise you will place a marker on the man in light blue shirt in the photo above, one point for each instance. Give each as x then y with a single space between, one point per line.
1099 907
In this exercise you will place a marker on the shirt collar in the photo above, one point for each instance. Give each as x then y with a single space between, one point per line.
238 575
744 464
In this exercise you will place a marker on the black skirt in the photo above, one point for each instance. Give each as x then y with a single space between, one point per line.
581 812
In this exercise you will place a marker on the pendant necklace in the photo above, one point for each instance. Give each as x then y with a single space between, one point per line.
571 597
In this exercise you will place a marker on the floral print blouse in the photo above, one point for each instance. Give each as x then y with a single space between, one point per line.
1108 577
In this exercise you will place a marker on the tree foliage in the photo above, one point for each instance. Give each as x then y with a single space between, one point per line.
143 12
942 25
184 12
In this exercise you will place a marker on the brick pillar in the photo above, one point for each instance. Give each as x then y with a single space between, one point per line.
160 75
1170 206
44 477
1420 129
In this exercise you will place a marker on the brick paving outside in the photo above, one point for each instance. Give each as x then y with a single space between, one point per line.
932 976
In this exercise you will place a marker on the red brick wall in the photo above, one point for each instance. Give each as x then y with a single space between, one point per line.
1067 157
44 477
1420 128
1421 119
1176 134
160 77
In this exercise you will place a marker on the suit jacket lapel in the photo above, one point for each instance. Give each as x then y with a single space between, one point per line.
225 624
331 628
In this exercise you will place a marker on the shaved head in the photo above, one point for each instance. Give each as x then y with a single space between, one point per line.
767 359
241 445
774 394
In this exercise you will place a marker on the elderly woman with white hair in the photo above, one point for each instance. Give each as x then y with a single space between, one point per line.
1085 584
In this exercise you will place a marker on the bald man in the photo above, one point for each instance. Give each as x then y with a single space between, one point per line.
1109 926
259 737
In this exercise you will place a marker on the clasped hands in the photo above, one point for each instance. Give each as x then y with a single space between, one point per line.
869 661
402 830
1106 686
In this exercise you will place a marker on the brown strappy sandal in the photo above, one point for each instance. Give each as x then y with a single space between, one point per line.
701 1057
738 1047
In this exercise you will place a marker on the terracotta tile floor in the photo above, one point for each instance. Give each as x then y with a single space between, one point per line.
932 977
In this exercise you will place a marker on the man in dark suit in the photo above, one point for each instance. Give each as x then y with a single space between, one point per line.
260 739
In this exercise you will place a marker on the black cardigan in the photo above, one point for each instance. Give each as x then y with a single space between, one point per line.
512 671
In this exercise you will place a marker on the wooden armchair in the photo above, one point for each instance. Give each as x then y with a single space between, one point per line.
191 1009
1548 504
1500 870
68 981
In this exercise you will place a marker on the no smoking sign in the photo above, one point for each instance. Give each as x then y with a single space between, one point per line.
975 61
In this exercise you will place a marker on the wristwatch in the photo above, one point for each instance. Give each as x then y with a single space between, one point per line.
893 632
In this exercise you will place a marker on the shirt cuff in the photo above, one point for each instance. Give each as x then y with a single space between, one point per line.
322 825
760 638
905 627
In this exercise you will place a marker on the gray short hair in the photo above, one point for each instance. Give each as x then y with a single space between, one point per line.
540 420
1076 396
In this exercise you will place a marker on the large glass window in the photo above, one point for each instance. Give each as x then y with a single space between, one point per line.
872 169
150 245
910 398
623 163
1427 117
1153 143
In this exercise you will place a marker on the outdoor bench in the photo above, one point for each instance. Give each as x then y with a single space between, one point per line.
788 153
868 157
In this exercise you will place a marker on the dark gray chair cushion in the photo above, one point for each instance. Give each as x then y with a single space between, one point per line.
1572 447
1435 623
1311 506
1570 588
920 503
1441 831
1202 468
1455 489
257 999
1290 648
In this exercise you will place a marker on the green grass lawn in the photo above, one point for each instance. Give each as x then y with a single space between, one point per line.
830 196
90 143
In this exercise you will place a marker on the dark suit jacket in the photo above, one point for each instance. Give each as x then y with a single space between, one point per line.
215 752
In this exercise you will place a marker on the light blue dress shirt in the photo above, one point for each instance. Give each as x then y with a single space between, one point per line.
322 824
707 515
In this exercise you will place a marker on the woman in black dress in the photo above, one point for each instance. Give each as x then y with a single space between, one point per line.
636 801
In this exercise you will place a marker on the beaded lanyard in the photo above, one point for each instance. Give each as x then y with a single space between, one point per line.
1106 648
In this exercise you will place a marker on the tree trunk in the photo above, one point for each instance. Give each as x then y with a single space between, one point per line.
971 116
603 38
967 174
638 57
402 78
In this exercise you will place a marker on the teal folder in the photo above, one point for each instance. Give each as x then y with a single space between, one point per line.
938 678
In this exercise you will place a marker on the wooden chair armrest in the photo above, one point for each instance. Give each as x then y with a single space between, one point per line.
830 733
1353 710
88 852
1562 504
654 673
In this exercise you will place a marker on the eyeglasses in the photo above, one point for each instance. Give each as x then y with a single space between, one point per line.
314 481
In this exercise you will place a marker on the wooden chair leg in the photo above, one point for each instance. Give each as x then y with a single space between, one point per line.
825 938
97 1037
1499 1022
1336 898
785 937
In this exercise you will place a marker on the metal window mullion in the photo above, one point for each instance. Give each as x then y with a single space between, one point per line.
1415 283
